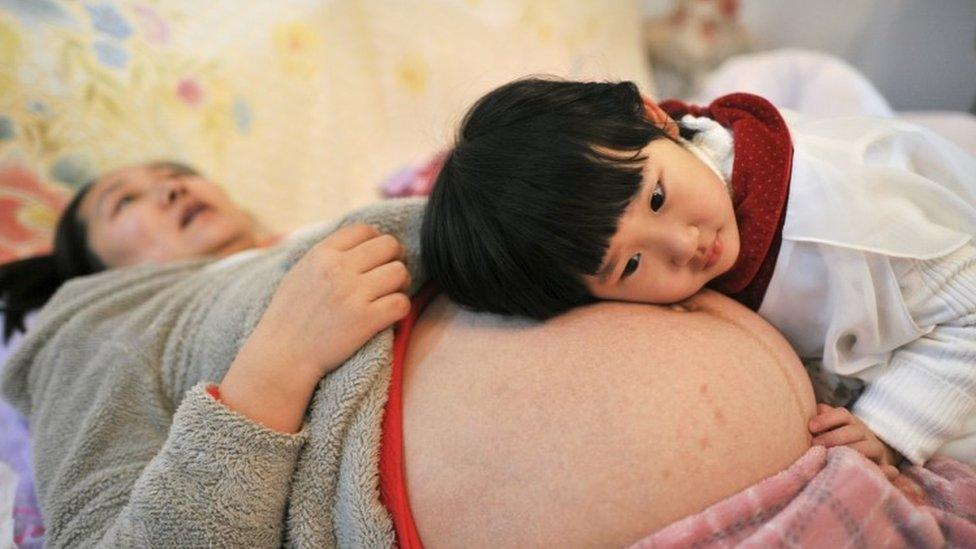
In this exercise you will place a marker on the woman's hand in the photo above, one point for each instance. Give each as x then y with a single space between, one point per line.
341 293
839 427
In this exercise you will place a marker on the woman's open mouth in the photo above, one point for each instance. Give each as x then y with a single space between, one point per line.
191 212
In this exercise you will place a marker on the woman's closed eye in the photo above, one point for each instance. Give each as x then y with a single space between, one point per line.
125 200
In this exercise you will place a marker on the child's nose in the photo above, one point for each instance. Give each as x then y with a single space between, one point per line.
683 245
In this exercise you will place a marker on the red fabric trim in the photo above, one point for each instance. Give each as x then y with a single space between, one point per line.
393 487
760 187
214 391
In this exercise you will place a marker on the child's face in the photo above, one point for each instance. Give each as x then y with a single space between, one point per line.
678 232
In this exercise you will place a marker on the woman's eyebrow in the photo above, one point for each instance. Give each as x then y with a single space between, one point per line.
100 203
174 168
167 170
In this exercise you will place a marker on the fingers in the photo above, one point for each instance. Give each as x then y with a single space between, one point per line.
384 286
868 448
364 247
836 427
374 252
829 417
386 279
389 309
890 472
349 237
380 275
839 427
841 436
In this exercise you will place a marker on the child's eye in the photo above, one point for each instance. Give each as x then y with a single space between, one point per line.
657 197
631 266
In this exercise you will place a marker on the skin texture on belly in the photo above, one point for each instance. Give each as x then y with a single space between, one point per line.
597 427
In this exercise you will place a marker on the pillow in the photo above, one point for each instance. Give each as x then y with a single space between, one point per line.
297 107
28 209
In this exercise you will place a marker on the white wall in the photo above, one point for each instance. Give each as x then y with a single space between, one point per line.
921 54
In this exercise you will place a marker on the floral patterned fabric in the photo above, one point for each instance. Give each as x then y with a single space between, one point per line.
298 107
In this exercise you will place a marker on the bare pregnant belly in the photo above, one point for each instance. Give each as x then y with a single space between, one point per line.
597 427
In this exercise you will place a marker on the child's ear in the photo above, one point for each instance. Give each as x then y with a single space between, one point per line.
660 118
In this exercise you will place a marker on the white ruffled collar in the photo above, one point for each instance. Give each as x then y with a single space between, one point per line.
712 144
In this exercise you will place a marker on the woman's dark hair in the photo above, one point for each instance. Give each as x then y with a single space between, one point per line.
530 195
27 284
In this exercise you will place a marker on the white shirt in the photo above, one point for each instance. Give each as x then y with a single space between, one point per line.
876 275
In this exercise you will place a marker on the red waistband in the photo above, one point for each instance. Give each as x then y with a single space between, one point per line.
393 488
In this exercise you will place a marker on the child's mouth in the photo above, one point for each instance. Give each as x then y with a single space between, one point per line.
715 253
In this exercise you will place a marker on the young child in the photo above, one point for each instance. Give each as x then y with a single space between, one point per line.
853 236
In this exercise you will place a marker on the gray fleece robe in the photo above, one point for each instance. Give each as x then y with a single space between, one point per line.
129 449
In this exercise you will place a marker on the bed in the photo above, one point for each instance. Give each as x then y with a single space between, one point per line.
362 91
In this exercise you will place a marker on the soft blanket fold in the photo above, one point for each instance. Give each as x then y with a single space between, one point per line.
130 451
837 498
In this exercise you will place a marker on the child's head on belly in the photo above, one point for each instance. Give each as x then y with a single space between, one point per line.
559 193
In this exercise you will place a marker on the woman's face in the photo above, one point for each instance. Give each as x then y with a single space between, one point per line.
153 213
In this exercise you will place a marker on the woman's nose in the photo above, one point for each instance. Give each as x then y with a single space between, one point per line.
170 190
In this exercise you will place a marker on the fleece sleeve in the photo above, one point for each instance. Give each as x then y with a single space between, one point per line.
217 479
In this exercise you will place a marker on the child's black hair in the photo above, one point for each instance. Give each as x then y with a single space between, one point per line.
530 195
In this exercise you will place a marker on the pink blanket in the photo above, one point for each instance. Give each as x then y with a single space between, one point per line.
837 498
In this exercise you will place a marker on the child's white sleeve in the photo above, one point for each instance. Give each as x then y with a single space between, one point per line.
926 396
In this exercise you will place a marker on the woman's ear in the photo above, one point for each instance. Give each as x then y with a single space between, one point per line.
658 117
